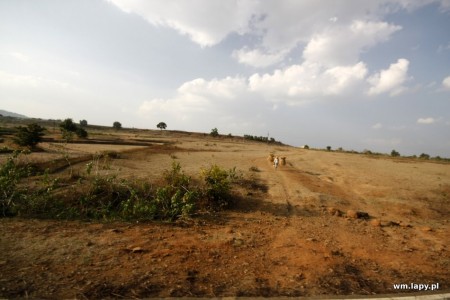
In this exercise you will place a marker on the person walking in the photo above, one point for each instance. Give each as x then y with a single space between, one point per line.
275 162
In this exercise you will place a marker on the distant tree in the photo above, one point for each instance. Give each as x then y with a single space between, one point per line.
328 148
81 132
68 128
29 136
117 125
305 147
68 125
214 132
83 123
395 153
424 156
161 125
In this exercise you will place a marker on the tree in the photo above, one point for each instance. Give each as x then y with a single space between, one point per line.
117 125
328 148
395 153
424 156
161 125
68 125
29 136
68 128
214 132
81 132
83 123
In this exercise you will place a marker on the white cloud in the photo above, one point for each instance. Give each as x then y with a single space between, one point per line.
390 80
426 121
257 58
446 83
332 46
377 126
29 81
300 83
205 22
20 56
328 27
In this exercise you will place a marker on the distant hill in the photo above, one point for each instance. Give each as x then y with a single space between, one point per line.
11 114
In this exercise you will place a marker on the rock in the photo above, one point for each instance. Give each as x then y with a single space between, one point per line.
362 215
392 223
375 223
426 228
334 211
403 224
352 214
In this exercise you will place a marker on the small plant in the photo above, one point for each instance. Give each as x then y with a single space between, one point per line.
10 193
254 169
217 186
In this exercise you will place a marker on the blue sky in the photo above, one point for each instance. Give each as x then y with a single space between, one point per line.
353 74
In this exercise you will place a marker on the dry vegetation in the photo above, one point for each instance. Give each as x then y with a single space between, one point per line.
324 223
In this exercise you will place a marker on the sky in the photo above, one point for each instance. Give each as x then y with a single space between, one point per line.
354 74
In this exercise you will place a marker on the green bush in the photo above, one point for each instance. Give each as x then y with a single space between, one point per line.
29 136
217 186
177 198
10 175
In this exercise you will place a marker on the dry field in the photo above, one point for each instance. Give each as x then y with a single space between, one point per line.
294 234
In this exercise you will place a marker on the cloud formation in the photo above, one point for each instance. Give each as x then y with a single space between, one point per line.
426 121
446 83
390 80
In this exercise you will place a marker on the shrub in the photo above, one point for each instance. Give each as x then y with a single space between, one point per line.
328 148
29 136
176 198
254 169
81 132
217 187
83 123
10 175
117 125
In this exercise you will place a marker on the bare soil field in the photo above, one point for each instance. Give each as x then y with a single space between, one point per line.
326 223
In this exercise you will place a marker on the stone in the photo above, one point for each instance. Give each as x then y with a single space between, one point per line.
352 214
375 223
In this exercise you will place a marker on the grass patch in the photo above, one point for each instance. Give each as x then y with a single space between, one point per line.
90 196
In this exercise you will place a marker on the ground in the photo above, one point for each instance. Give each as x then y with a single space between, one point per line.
326 223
